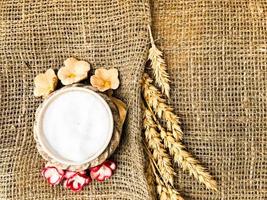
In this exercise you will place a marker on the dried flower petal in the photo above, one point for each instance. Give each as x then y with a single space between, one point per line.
76 180
74 71
45 83
103 171
53 175
105 79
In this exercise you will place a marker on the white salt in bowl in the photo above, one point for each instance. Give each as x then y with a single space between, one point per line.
74 125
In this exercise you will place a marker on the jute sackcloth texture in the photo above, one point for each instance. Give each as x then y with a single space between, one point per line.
216 53
37 35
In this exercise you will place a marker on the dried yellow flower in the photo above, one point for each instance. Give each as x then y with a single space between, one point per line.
45 83
74 71
105 79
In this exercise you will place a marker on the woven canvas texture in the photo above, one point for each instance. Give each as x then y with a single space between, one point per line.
37 35
216 52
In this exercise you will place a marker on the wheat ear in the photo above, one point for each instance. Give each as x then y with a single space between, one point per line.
181 156
154 99
159 153
159 67
164 190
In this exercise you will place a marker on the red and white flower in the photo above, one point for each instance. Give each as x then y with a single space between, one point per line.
76 180
53 175
103 171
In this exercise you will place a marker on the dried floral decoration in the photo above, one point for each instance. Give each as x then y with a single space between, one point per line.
45 83
76 177
105 79
74 71
161 142
76 181
102 172
53 175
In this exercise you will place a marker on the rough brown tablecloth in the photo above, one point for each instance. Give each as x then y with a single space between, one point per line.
216 52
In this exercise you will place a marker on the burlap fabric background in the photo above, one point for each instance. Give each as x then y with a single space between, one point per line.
37 35
217 56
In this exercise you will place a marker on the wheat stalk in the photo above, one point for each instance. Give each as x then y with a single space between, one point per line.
150 179
154 99
181 156
164 190
155 144
159 67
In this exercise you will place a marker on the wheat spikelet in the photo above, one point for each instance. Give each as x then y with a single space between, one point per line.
158 152
158 66
165 191
153 99
181 156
